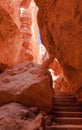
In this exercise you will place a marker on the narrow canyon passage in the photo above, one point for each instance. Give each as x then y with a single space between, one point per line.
40 64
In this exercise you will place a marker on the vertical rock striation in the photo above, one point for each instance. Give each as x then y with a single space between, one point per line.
29 30
60 23
10 36
18 34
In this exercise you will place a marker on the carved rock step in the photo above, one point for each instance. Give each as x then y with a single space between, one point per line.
69 120
65 127
64 100
68 114
67 104
64 97
70 109
62 94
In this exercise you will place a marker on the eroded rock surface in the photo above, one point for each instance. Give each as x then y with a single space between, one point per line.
60 23
15 116
56 67
27 84
12 8
18 33
25 3
29 30
10 38
61 85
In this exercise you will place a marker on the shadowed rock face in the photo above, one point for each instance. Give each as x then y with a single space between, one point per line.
60 23
28 84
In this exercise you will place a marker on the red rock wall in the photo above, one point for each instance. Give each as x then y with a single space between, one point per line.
29 29
61 85
56 67
10 36
60 23
13 45
12 8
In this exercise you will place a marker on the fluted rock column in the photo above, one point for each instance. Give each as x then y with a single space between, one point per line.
29 30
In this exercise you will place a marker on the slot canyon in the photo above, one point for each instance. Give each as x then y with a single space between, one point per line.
40 64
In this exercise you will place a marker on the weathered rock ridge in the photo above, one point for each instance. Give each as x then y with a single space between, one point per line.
60 23
28 84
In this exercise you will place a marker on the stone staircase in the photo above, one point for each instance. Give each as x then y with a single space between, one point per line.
67 113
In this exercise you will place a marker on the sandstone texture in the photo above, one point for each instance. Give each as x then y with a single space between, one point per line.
15 116
61 85
12 8
10 39
18 33
29 30
27 84
60 23
25 3
56 67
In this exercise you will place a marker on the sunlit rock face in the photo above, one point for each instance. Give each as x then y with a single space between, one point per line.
61 85
12 8
29 30
28 84
10 37
25 3
18 34
43 55
56 67
60 23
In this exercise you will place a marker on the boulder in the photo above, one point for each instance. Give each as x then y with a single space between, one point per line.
15 116
60 23
28 84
